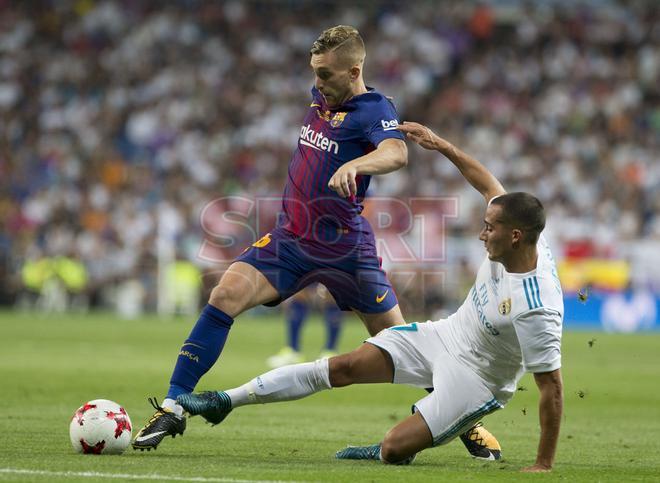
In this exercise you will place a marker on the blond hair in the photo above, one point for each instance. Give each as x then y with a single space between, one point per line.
342 39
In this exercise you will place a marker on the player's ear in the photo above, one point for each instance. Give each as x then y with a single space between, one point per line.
516 236
355 72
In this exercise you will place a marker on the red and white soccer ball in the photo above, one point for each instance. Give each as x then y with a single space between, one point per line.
100 427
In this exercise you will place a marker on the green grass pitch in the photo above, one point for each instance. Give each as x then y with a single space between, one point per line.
49 365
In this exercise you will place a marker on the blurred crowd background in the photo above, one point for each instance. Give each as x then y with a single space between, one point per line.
122 120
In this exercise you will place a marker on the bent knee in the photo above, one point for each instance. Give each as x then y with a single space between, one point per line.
228 299
392 451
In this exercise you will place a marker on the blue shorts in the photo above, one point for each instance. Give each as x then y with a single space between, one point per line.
355 280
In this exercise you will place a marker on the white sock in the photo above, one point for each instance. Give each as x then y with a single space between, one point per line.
171 404
283 384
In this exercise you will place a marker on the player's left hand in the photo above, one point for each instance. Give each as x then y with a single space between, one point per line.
420 134
536 469
343 181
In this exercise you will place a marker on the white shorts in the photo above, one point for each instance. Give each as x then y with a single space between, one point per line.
459 398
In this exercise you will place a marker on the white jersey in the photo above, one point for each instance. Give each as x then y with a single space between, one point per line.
509 323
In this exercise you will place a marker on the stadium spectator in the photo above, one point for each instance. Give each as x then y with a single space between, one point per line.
120 121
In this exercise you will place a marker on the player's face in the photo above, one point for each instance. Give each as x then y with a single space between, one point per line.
332 78
495 234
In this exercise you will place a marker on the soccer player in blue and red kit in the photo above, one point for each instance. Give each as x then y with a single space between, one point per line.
348 134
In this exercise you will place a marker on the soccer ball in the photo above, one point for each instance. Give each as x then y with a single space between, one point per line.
100 427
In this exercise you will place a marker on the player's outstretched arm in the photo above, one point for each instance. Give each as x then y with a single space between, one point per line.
550 409
390 155
471 169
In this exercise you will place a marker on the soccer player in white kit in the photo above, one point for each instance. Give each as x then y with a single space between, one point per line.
510 323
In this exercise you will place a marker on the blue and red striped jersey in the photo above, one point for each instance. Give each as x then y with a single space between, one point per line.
330 137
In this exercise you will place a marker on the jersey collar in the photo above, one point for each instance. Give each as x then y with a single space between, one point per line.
349 105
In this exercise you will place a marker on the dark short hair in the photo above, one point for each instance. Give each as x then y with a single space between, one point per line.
343 39
523 211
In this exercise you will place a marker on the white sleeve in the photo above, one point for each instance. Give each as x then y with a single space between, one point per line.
539 335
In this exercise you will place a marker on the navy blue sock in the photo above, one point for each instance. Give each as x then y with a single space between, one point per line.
295 318
200 351
333 318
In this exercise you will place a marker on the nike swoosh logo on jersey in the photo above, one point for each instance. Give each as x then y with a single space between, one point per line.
382 297
139 439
